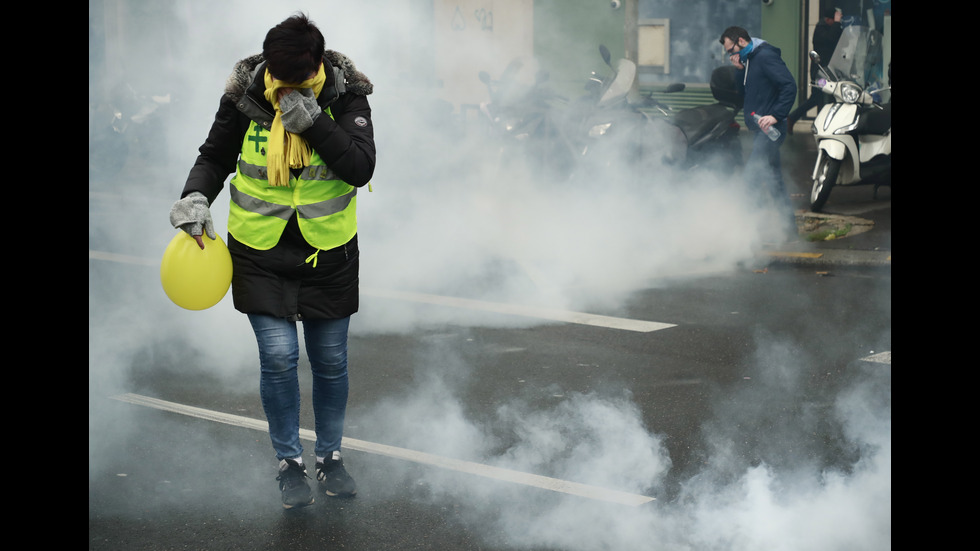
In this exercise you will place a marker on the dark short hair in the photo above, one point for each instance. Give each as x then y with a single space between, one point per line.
733 34
828 13
293 49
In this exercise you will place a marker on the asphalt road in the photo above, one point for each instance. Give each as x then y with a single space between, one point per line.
733 405
755 375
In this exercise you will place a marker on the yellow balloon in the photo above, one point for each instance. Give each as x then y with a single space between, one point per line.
195 279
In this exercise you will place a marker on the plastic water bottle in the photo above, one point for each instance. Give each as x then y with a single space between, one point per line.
771 131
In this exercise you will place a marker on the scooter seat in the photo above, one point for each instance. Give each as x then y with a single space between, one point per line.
698 121
876 121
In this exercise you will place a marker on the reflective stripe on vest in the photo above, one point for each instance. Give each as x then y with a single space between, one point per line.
325 205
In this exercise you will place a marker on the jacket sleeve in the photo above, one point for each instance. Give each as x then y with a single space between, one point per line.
346 143
218 156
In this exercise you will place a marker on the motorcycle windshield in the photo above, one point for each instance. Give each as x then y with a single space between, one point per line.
517 82
858 57
622 84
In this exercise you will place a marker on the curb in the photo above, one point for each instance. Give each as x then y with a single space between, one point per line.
813 253
832 257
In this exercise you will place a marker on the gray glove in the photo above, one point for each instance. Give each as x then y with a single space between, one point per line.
192 214
299 110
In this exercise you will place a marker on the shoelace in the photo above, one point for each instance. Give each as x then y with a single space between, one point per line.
293 475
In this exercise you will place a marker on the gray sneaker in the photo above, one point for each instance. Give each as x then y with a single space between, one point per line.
292 482
333 479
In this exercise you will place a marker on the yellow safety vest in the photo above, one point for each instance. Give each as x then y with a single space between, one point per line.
325 205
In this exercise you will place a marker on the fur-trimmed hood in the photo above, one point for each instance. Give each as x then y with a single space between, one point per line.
241 76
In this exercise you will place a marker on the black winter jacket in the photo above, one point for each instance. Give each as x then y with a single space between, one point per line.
825 39
280 282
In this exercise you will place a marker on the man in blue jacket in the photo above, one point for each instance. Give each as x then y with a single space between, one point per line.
770 91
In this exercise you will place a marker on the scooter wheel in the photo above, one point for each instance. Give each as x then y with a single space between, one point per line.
823 183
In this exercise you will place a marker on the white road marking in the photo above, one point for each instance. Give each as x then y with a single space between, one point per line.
122 258
468 467
553 314
880 358
564 316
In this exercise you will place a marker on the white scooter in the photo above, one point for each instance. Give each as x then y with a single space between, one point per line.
854 131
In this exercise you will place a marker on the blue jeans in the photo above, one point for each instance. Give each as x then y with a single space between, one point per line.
326 346
764 172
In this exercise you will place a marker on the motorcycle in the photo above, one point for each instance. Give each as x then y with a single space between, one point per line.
524 115
562 138
612 127
711 132
854 131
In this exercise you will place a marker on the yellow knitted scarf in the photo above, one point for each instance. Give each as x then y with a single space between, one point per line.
285 149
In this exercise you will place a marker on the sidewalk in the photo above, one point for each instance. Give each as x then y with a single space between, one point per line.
868 241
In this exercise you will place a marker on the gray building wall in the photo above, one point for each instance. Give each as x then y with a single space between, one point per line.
695 26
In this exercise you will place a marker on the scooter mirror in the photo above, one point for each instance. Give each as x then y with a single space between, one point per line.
815 57
484 77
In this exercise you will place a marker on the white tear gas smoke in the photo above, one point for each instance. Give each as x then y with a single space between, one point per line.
734 502
448 216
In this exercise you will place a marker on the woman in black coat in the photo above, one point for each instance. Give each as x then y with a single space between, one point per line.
292 280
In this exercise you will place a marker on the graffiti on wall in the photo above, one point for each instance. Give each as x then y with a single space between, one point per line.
474 35
483 17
